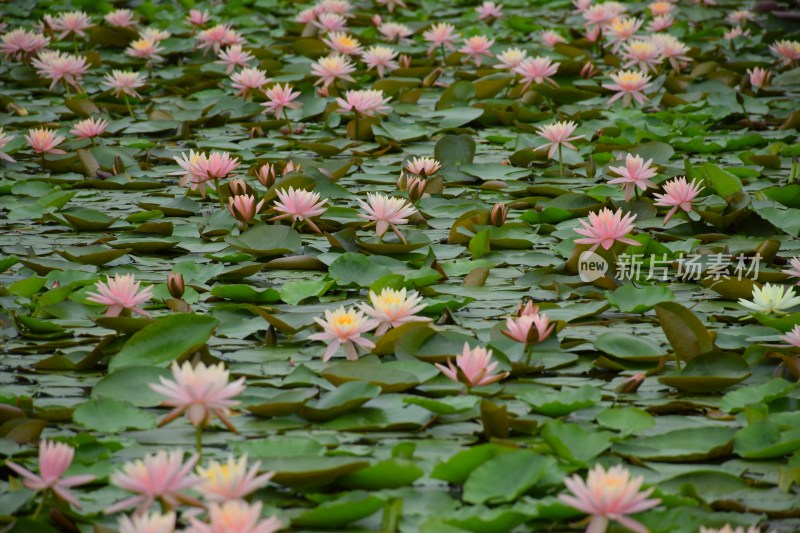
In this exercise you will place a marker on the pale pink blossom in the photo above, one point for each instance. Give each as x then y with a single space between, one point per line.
474 367
727 528
328 22
391 5
161 476
489 10
58 66
641 53
54 460
231 480
550 38
71 22
635 173
121 82
606 228
609 495
394 31
740 17
581 5
201 392
600 15
442 34
249 79
793 337
510 58
759 77
537 70
476 47
344 328
559 134
299 206
386 212
198 168
198 18
145 48
280 98
787 51
121 18
243 207
661 8
671 49
307 16
423 166
331 68
529 327
154 34
342 43
735 32
678 194
4 140
628 84
44 141
341 7
364 102
794 263
620 30
121 294
21 44
233 57
154 522
89 128
216 37
393 308
661 23
235 516
380 58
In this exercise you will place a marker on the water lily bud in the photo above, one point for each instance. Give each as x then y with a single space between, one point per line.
416 188
237 187
266 175
591 168
588 70
498 214
291 167
175 285
404 60
633 383
402 182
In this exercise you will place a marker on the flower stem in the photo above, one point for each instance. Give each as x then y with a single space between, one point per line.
198 440
40 507
528 353
43 171
560 161
355 134
128 105
219 193
444 56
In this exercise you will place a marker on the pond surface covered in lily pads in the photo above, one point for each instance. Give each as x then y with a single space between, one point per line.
604 199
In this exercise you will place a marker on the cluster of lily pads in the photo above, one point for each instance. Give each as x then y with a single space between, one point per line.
399 265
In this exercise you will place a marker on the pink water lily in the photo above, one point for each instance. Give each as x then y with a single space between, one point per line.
474 367
537 70
200 391
58 66
235 516
344 328
231 480
21 44
635 174
54 459
393 308
121 18
380 58
4 140
331 68
558 134
299 206
364 102
89 128
609 495
678 194
529 327
606 228
441 34
386 212
628 84
234 56
124 83
153 522
475 48
120 294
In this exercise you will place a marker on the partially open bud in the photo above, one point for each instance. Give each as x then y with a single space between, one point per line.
266 175
237 187
498 214
633 383
588 70
416 188
377 20
591 167
402 182
175 285
291 167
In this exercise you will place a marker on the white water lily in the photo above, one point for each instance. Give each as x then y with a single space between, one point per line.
771 299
